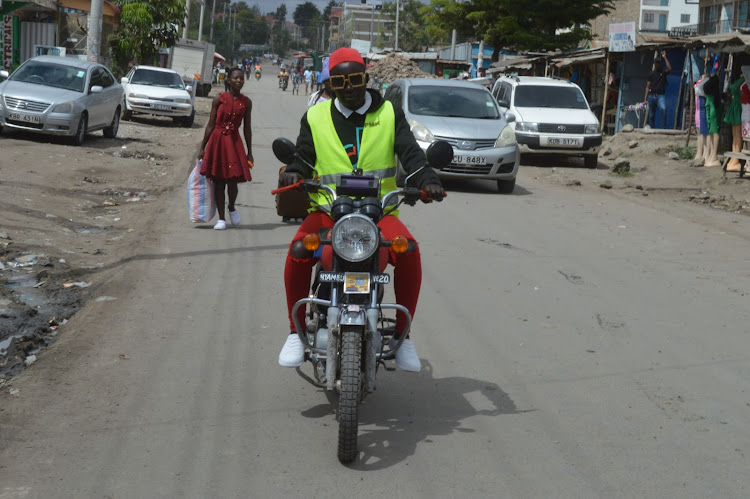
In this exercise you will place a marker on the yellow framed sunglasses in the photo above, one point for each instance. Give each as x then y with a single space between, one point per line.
338 82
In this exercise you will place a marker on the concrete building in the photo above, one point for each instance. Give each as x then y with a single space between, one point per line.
722 16
649 16
367 25
660 16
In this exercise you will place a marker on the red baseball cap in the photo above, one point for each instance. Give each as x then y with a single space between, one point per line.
344 54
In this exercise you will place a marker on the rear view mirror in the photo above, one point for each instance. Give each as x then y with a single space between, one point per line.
503 103
189 89
96 89
596 108
510 117
284 150
124 81
4 74
439 154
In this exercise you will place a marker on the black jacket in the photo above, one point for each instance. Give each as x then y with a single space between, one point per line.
408 151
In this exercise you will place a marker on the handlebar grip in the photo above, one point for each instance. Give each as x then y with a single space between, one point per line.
292 187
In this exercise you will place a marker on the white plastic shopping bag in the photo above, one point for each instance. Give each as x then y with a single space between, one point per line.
201 197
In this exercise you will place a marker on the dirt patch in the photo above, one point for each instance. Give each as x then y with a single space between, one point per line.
72 215
393 67
651 164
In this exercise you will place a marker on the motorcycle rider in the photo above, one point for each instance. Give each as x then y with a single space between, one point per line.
373 130
282 75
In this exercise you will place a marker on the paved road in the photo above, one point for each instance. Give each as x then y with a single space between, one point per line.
575 344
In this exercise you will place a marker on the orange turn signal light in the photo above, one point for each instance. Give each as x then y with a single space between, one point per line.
399 244
311 242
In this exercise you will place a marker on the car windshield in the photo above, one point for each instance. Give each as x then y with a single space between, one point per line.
549 96
452 102
51 75
157 79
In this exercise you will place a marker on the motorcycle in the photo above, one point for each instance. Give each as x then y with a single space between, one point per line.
257 75
347 334
283 82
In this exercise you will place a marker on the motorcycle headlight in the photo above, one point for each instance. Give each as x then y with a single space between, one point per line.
527 126
589 129
507 137
420 132
65 107
355 238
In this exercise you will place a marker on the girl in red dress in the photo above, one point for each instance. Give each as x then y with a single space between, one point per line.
224 158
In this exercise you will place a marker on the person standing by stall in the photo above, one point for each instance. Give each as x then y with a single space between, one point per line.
656 87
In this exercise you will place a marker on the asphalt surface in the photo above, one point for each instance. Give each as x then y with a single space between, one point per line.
574 343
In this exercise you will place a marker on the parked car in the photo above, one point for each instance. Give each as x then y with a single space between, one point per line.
466 116
158 92
60 96
551 116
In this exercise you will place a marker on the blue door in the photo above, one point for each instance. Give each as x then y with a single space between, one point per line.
662 22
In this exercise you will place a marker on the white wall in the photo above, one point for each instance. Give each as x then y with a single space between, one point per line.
673 11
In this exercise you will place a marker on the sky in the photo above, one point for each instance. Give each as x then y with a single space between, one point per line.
267 6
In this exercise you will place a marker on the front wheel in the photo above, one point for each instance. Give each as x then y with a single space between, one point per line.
591 161
82 130
111 131
351 358
506 186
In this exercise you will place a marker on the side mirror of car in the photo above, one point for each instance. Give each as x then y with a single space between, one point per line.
510 117
504 103
284 150
4 74
96 89
124 81
596 108
189 89
439 154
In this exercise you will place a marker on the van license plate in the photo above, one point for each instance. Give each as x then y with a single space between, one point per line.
161 107
459 159
563 141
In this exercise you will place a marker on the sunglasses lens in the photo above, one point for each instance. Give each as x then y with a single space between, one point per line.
357 80
338 82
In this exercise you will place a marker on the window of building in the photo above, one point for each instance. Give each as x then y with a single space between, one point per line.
685 18
648 18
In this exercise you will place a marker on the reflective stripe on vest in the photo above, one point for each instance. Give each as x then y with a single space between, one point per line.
376 150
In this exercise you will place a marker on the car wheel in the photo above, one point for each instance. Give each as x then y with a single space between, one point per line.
83 125
506 186
111 131
591 161
187 122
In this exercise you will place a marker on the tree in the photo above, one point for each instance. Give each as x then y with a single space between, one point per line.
533 25
280 14
412 31
305 14
144 27
332 4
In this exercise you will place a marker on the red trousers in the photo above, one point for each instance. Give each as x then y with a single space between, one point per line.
407 275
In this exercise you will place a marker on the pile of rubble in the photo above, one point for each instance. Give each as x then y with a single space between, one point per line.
394 67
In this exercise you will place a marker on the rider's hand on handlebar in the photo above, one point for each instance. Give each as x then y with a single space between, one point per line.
286 179
435 192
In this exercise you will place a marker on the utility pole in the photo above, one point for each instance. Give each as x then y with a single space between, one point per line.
398 8
187 19
372 23
94 38
480 58
213 17
200 21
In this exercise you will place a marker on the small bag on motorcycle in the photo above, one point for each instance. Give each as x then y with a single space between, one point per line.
291 204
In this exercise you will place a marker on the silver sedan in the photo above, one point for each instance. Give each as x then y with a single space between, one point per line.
60 96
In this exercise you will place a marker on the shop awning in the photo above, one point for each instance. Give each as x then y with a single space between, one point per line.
581 58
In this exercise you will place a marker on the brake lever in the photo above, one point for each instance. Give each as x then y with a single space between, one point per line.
292 187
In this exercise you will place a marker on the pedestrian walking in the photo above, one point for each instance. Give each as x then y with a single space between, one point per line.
295 82
224 158
308 80
325 93
319 80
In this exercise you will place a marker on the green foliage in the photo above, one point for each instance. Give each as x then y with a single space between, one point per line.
307 14
413 35
144 27
532 25
327 11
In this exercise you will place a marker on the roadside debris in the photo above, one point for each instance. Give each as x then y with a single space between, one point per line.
393 67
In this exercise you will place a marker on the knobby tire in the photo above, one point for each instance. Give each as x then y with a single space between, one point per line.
351 358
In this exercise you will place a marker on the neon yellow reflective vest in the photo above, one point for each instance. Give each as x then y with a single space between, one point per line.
376 151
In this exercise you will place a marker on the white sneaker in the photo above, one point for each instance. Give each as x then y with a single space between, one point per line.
293 352
234 217
220 225
406 356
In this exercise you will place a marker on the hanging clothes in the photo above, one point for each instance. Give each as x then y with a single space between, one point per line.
734 110
745 102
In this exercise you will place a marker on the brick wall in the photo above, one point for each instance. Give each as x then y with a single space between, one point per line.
625 11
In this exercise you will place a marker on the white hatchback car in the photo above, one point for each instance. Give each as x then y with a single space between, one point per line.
159 92
551 115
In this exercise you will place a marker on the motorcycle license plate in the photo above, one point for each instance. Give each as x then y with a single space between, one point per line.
356 283
340 278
